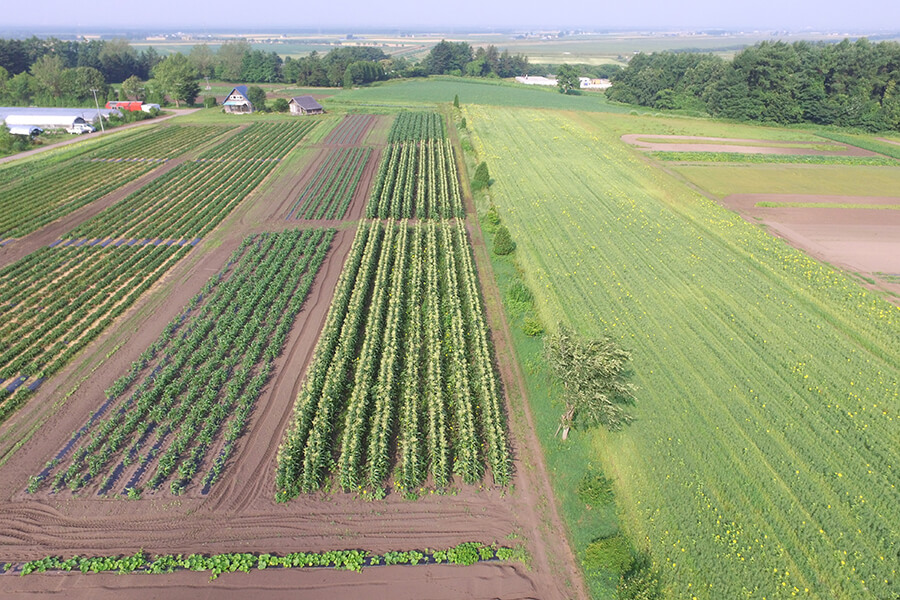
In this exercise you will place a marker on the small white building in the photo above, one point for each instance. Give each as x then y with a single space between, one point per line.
237 102
595 84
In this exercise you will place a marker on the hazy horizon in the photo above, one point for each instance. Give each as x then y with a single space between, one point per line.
464 15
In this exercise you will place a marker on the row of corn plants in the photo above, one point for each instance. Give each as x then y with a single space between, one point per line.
417 179
333 185
398 370
175 417
417 126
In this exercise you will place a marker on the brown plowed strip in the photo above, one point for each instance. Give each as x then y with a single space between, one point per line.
752 146
436 582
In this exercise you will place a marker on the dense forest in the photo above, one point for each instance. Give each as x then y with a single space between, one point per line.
852 84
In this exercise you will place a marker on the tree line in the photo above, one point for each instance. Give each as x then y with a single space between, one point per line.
852 84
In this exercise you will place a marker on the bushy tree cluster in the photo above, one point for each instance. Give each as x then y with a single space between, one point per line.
458 58
847 84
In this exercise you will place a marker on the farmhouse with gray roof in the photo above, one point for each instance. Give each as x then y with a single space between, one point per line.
305 105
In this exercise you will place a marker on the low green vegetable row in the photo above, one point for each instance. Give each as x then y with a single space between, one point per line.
467 553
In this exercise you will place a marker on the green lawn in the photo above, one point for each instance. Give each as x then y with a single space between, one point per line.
426 92
762 462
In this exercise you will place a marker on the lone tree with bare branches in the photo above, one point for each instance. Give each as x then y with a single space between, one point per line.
593 375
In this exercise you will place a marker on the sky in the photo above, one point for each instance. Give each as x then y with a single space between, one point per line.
791 15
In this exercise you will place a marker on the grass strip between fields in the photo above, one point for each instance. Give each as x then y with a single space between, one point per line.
798 159
768 204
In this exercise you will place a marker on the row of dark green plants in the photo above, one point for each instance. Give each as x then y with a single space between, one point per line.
182 407
333 185
465 554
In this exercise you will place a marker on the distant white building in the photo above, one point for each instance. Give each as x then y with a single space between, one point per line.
536 80
594 84
88 114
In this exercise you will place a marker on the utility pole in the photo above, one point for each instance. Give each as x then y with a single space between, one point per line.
99 116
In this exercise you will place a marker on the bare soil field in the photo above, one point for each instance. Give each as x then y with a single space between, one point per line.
239 514
741 146
861 240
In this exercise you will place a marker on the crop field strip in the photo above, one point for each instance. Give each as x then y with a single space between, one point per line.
160 143
57 300
763 459
27 205
350 131
192 199
402 368
35 194
417 176
261 142
334 183
176 416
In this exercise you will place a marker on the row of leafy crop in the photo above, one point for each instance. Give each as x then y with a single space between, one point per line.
40 197
351 130
403 366
55 301
417 126
333 185
261 141
187 202
417 179
160 142
803 159
466 553
180 410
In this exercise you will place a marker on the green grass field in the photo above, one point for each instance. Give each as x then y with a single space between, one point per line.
762 462
415 93
723 180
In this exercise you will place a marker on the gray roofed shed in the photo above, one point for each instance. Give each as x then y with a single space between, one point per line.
305 105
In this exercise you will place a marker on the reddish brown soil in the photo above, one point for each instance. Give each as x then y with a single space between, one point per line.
751 146
859 240
240 514
436 582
